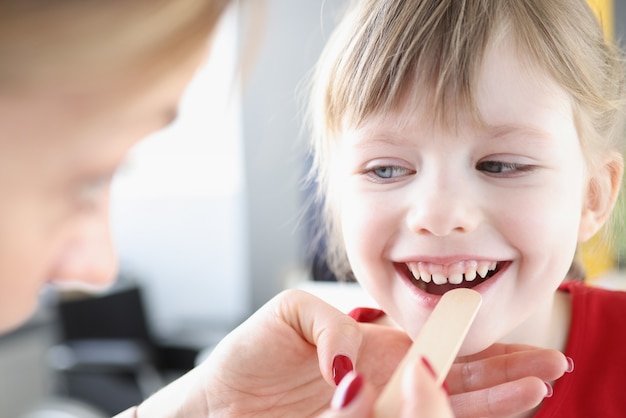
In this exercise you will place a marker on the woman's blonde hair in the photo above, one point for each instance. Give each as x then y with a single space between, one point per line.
43 41
383 50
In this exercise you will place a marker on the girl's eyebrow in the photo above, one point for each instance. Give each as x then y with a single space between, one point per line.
366 137
365 142
513 131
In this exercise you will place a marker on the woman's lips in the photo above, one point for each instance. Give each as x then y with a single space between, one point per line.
437 279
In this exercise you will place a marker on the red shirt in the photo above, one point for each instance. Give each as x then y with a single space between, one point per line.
597 344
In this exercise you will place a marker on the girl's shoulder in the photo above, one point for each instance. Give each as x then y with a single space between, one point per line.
590 295
597 339
595 309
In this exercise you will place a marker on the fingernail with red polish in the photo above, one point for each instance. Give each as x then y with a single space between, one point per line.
429 367
570 365
549 390
444 386
341 366
347 390
365 314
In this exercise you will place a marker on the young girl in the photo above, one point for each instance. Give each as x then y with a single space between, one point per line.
476 144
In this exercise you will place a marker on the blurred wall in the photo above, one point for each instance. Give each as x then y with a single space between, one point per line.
283 51
178 208
620 19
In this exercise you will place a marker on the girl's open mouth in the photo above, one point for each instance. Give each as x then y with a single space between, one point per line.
437 279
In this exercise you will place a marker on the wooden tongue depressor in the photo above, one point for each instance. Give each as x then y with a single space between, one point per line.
438 341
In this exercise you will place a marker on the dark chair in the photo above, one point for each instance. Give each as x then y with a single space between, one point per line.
107 355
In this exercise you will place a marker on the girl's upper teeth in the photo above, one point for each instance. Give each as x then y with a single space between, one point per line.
455 278
439 278
451 273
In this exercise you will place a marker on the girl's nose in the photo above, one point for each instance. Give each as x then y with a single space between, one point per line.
89 256
445 204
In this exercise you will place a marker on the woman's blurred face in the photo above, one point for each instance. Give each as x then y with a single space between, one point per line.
59 149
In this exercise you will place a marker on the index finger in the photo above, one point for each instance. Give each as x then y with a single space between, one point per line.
497 349
322 325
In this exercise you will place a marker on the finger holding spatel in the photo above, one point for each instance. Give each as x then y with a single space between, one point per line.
421 396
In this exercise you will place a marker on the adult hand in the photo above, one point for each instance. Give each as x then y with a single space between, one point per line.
501 381
280 363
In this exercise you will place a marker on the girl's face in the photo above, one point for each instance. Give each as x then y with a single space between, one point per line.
425 209
59 150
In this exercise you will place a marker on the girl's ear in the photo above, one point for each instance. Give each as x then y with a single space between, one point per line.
600 197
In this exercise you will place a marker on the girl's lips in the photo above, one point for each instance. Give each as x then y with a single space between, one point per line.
441 285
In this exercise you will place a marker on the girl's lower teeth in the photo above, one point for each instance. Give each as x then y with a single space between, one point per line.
440 289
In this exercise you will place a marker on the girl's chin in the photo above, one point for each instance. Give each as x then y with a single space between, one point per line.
473 345
475 341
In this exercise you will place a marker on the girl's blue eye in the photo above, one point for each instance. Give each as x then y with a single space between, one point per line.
499 167
389 172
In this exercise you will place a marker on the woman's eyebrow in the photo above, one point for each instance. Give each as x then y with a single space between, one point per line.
170 115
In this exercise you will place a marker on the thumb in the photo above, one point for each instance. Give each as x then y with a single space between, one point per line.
353 398
336 335
421 397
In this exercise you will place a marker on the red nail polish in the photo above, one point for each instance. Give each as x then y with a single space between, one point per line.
570 365
444 386
341 366
347 390
429 367
366 314
549 390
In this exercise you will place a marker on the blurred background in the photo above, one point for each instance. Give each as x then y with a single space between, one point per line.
210 223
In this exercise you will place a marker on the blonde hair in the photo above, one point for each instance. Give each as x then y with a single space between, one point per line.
385 49
43 41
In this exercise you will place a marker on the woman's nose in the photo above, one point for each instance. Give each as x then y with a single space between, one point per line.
89 255
445 204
